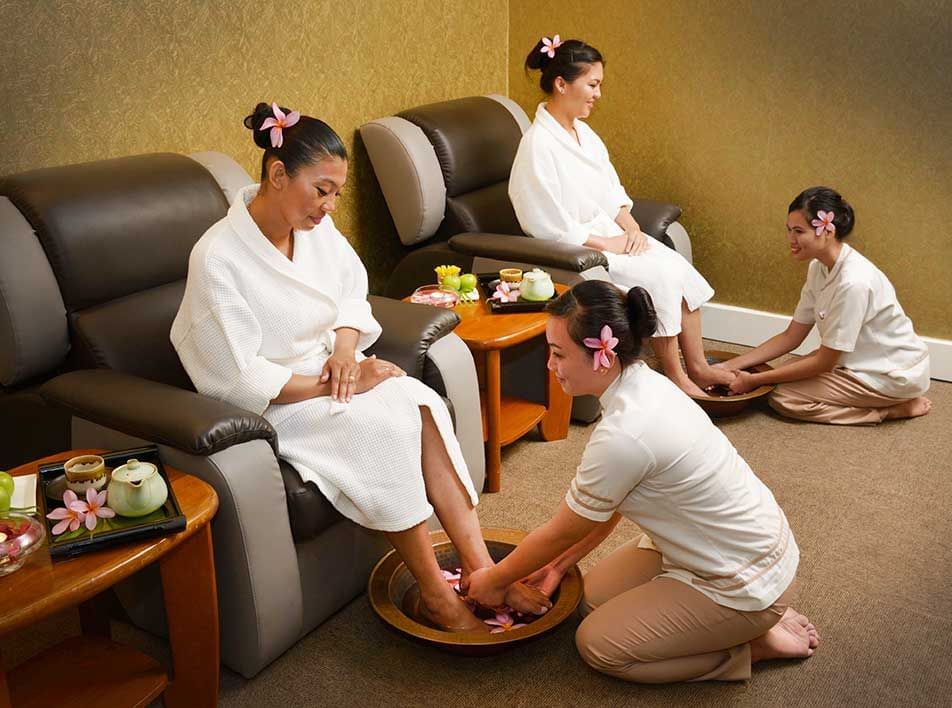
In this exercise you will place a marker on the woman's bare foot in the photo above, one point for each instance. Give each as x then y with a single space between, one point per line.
706 375
443 609
687 385
527 600
912 408
793 637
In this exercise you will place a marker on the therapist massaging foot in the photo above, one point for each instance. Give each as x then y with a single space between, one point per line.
564 188
870 366
721 598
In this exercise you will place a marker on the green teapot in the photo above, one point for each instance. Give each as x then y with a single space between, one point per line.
536 286
136 489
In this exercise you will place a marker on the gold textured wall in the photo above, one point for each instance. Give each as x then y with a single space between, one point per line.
92 79
729 109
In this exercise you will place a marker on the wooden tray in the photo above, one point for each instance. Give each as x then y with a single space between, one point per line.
167 519
488 282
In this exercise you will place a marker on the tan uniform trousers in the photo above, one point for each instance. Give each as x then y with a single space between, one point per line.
834 397
647 629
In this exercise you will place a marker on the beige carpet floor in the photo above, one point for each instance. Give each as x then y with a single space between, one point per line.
871 508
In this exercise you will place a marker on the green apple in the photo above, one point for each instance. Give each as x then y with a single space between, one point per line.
467 282
450 282
6 482
4 500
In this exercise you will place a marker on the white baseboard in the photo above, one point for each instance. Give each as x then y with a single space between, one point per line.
740 325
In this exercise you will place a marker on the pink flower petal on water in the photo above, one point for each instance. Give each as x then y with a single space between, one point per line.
497 630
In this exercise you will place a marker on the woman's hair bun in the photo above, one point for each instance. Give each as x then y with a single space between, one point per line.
253 123
537 59
641 313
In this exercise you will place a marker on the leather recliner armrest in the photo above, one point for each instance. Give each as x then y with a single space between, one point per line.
524 249
157 412
408 331
654 218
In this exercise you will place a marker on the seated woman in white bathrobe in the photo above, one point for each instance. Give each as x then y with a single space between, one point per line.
870 365
274 320
564 188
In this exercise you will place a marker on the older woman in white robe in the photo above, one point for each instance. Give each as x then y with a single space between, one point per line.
564 188
274 320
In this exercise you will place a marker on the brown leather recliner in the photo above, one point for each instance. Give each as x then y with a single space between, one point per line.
92 271
444 172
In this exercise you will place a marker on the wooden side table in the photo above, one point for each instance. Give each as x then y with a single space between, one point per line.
92 670
505 418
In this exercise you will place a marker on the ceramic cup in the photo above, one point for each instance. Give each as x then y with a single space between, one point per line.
85 471
510 275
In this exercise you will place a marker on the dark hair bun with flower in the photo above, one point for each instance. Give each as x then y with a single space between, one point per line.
569 59
816 199
296 140
254 122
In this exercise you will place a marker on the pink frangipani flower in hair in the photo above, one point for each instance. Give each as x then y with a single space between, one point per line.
604 354
67 516
550 45
279 123
94 508
824 222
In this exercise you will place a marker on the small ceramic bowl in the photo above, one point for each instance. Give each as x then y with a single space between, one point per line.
20 535
511 275
85 471
390 581
434 295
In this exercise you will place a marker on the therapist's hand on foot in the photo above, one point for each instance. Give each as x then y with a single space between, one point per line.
527 599
743 382
547 579
483 590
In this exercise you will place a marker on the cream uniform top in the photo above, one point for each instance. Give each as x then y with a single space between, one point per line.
656 458
251 318
856 312
563 190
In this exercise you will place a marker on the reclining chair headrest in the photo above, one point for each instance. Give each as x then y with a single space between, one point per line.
444 167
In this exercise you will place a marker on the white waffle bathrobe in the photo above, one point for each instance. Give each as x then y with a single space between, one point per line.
251 317
566 191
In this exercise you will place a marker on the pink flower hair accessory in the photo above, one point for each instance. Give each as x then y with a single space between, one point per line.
604 346
279 123
550 45
824 222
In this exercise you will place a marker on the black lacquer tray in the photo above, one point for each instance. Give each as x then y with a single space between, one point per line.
119 529
488 283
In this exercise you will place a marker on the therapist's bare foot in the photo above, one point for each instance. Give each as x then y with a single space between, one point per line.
793 637
912 408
